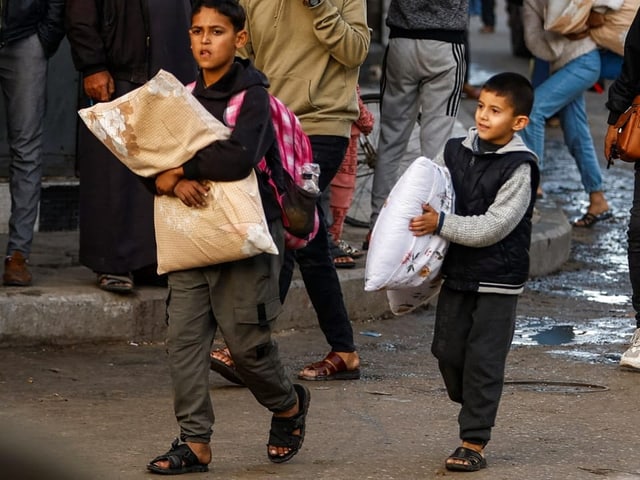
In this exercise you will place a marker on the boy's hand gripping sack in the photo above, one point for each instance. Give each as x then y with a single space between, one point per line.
160 126
298 206
231 226
397 259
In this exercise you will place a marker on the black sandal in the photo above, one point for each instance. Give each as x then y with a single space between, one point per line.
282 428
474 461
588 220
181 460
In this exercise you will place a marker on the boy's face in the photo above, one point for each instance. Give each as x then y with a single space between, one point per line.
495 118
214 43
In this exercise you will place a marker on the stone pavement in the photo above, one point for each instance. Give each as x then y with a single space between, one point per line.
64 306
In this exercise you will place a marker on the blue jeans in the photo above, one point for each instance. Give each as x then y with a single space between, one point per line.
316 265
23 81
563 94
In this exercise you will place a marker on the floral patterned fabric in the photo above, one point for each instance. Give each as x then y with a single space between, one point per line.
397 259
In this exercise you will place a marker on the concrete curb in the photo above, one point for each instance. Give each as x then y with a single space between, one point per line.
64 306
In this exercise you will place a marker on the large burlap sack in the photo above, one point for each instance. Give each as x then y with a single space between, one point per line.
613 33
567 16
155 127
231 227
397 259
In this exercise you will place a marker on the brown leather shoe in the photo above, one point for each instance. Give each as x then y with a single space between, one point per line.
16 271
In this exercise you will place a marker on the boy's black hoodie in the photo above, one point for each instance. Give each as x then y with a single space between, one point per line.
252 138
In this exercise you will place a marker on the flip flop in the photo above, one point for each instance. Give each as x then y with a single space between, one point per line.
115 283
350 250
341 259
588 220
228 372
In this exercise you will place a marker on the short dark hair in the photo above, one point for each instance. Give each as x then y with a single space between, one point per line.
229 8
515 87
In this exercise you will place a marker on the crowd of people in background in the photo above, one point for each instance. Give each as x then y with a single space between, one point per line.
308 54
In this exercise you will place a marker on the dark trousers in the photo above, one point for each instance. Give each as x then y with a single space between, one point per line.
633 251
316 265
472 337
488 13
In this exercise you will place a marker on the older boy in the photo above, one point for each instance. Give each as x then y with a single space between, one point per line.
495 177
241 297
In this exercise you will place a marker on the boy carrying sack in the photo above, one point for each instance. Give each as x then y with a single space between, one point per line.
495 177
240 297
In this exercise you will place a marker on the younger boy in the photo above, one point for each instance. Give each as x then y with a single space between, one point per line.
495 177
241 297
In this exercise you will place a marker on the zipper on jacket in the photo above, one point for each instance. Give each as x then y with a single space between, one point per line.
144 7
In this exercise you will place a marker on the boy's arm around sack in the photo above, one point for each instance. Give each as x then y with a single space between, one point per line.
252 137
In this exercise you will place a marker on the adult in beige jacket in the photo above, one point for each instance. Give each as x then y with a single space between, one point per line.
575 67
311 52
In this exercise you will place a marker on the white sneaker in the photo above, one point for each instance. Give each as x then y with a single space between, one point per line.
631 358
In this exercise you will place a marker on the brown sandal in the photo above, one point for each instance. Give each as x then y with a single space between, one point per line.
332 367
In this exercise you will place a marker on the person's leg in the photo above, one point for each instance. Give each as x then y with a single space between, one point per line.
23 73
633 249
453 323
399 108
342 188
190 332
631 357
488 15
488 343
577 137
443 67
245 302
319 272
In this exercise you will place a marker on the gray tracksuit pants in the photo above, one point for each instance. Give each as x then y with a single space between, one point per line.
420 77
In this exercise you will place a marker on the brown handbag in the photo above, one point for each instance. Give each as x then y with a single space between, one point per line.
627 145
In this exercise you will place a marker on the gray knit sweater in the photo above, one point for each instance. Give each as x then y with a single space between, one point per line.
428 14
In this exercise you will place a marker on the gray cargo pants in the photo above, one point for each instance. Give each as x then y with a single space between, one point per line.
242 299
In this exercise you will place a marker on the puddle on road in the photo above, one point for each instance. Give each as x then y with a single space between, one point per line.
600 331
587 341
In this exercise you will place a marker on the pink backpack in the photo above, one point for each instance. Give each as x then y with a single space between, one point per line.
299 212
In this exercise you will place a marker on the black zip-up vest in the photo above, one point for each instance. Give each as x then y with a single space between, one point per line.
476 182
